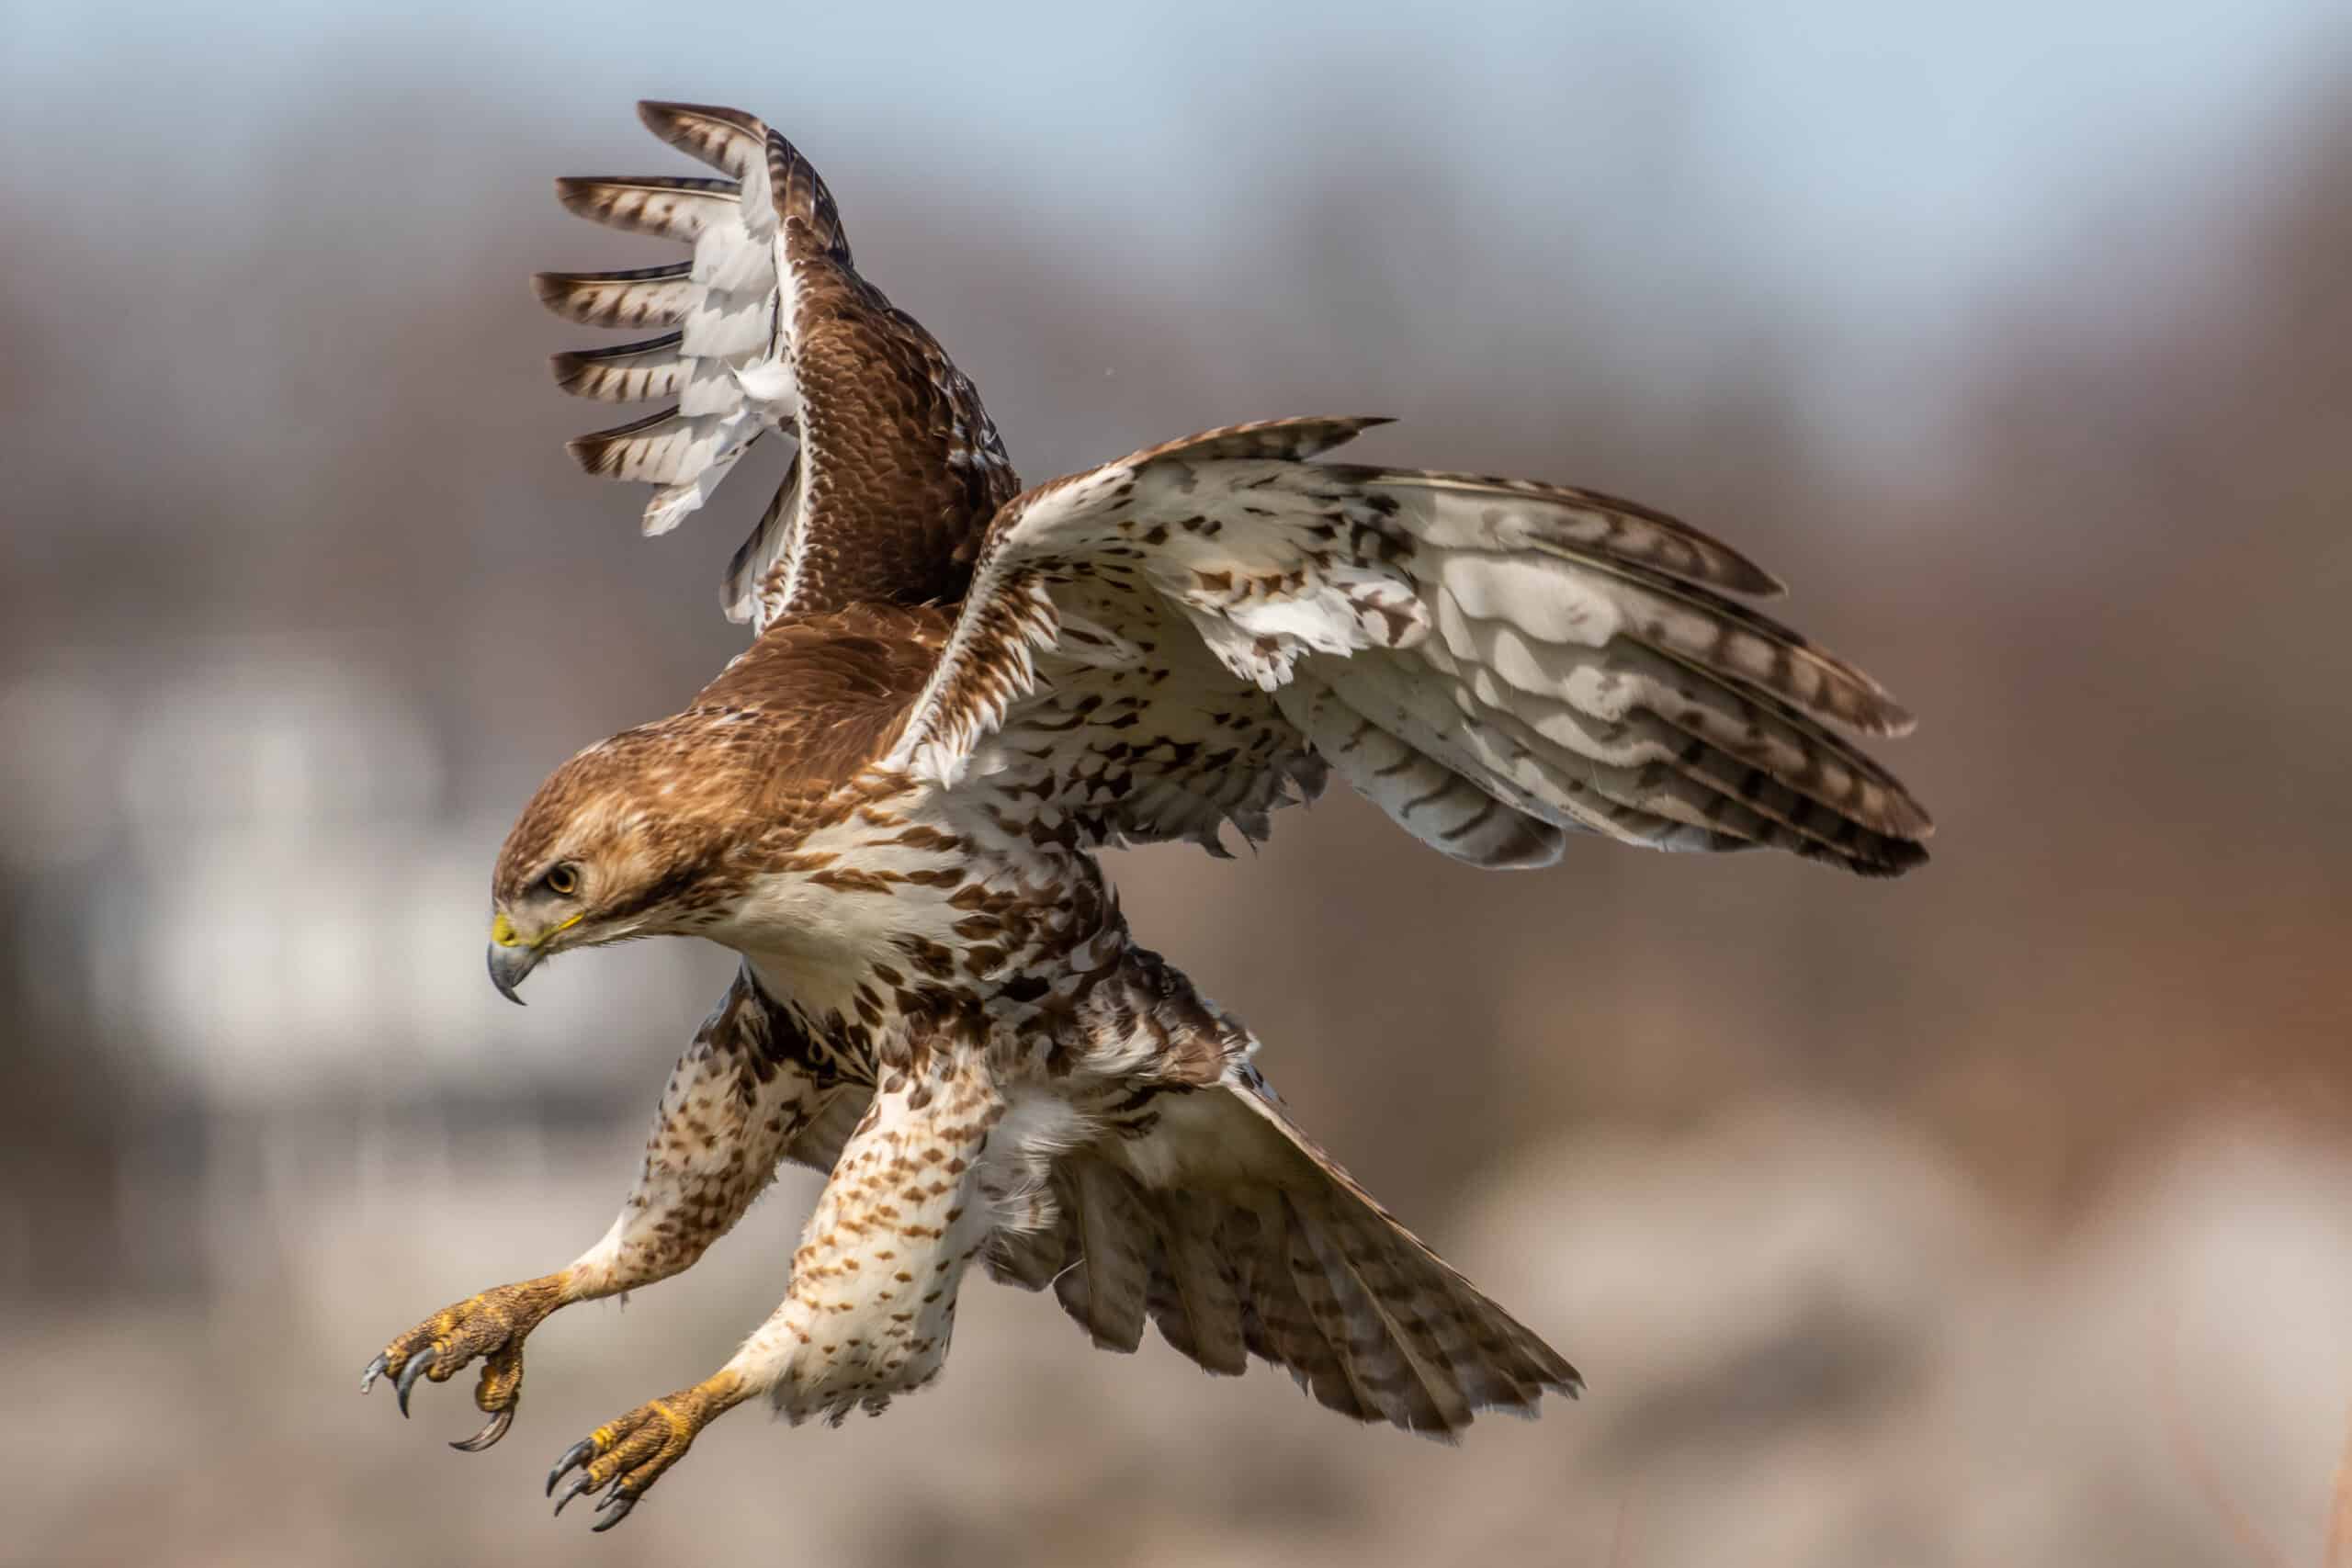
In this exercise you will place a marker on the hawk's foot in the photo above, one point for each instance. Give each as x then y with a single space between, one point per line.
493 1325
628 1456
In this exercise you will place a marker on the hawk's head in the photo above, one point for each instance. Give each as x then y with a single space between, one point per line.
613 845
678 827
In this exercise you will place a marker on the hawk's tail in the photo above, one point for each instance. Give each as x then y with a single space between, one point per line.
1237 1236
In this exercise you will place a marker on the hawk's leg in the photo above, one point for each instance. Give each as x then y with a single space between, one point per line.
734 1102
873 1294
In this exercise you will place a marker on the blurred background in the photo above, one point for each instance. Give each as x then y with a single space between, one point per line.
1999 1216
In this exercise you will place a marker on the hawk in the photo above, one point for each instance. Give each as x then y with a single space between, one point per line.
890 805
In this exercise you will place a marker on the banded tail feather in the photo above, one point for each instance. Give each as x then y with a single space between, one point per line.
1234 1235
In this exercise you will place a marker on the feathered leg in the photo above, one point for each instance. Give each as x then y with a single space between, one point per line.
733 1105
872 1295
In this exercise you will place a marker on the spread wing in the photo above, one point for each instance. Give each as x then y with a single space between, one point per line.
1189 635
898 467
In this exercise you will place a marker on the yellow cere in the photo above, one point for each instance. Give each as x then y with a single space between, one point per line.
503 931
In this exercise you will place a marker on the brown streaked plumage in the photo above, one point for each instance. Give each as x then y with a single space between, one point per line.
653 821
892 811
800 711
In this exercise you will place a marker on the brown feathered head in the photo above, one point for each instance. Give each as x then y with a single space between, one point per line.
663 829
613 846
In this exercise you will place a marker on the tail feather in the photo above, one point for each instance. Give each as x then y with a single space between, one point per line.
1391 1357
1264 1247
1104 1286
1278 1321
1198 1304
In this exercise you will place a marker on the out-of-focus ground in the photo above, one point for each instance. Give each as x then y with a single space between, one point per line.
1999 1216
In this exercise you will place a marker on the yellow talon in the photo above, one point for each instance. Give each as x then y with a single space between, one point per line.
630 1455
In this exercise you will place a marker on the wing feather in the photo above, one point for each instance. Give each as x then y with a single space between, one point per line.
662 448
897 467
1493 662
671 208
626 373
1473 511
640 297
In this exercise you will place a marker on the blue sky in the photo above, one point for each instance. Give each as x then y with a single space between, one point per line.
1853 167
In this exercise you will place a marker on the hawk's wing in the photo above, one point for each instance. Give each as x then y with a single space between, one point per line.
899 467
1188 636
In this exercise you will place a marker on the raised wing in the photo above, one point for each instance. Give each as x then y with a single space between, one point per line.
1191 635
898 468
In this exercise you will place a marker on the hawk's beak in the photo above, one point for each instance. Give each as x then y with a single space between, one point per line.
511 958
507 967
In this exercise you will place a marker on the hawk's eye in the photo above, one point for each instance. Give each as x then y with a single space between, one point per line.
562 881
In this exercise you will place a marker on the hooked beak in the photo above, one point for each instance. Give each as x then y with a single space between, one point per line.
511 957
509 962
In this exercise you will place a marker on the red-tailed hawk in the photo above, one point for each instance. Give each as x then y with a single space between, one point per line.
890 805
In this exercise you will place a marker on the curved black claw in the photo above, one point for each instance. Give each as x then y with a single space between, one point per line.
495 1430
489 1326
625 1458
417 1366
576 1455
580 1484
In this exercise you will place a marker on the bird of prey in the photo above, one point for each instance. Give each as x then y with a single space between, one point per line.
891 803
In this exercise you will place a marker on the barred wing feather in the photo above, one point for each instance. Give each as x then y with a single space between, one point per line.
1190 636
897 466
